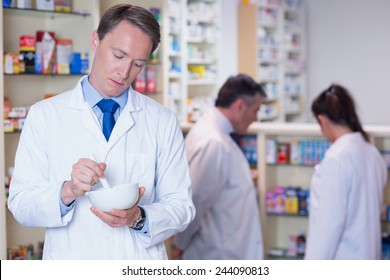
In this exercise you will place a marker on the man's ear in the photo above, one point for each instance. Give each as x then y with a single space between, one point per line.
94 40
238 105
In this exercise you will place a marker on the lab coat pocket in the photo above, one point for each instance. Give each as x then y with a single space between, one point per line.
141 169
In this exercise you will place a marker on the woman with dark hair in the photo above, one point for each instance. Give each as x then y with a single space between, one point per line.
346 190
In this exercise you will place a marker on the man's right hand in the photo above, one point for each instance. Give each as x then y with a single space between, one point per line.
85 173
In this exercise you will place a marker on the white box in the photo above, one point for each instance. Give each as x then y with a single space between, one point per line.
24 4
18 112
8 126
47 5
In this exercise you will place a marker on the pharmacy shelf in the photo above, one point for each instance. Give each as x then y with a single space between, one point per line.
26 89
203 41
43 13
277 228
271 46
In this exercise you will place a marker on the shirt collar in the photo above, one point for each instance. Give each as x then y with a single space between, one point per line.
92 96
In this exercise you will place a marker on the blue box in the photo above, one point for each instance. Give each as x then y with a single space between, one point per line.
79 63
7 3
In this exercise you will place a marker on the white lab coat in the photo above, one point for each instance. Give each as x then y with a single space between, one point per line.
146 146
227 222
345 201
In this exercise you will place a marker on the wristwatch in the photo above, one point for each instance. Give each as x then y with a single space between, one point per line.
139 223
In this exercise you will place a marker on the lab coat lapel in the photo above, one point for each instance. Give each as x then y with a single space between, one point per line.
91 123
88 119
125 121
122 125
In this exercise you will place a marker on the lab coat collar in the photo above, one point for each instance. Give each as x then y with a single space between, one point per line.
222 121
77 100
349 137
90 122
344 141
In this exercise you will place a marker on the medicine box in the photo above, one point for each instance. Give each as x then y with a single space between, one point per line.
63 6
24 4
64 55
46 5
27 52
79 63
45 51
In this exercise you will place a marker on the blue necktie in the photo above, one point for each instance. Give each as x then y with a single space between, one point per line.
235 137
108 107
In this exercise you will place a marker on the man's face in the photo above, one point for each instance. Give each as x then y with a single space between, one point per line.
248 115
119 58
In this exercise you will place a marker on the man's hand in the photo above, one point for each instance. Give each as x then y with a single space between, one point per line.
85 173
119 218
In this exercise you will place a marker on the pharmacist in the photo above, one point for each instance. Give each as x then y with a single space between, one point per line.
227 223
347 187
53 168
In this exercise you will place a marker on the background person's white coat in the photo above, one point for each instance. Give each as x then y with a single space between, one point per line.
346 196
227 222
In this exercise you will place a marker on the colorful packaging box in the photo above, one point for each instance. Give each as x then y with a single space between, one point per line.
303 196
63 6
295 152
283 153
280 200
47 47
27 52
292 200
270 202
64 55
79 63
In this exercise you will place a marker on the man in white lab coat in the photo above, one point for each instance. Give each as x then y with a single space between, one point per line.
227 223
54 169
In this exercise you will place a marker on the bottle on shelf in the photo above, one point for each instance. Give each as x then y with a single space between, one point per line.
301 244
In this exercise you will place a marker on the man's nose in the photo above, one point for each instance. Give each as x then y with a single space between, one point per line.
125 70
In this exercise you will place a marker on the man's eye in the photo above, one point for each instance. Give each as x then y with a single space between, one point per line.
118 56
139 64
